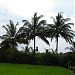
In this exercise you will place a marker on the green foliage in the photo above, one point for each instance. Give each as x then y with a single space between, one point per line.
48 58
12 37
73 69
62 28
37 27
72 47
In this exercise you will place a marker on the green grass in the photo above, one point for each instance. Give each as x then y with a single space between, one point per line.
21 69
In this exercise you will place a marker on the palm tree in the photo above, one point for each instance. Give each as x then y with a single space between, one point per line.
62 28
25 49
35 28
12 37
72 48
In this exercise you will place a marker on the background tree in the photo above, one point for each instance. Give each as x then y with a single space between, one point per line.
72 47
12 37
61 27
35 28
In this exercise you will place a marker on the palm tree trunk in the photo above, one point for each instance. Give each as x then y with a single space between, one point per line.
34 47
57 44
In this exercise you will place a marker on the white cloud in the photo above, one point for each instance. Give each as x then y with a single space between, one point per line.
28 7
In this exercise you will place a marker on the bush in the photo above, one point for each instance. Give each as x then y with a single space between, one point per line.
73 69
47 58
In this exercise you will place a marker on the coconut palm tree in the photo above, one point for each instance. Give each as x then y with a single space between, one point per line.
12 37
35 28
61 27
72 47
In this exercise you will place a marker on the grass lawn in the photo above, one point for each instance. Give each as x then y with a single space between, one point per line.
21 69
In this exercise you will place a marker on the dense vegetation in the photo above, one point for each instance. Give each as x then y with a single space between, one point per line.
49 58
15 69
37 27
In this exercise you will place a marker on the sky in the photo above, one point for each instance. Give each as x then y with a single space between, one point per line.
48 8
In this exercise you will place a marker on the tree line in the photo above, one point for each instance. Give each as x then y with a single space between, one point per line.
37 27
61 27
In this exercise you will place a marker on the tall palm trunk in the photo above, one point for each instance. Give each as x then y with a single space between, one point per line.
57 44
34 46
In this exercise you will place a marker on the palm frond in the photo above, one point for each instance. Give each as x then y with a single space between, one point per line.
45 40
7 30
42 23
39 17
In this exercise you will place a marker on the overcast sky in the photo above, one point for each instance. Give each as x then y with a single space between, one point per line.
48 8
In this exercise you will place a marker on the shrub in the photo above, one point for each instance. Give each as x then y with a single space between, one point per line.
47 58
